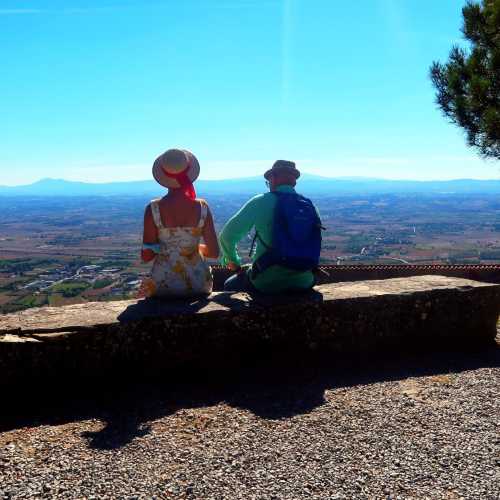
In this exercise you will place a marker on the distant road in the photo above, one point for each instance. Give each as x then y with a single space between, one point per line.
398 260
91 252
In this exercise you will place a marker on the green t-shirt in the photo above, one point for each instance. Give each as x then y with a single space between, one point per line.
258 213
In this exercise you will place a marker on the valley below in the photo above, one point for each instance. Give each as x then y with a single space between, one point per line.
65 250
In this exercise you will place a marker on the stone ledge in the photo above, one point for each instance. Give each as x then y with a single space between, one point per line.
150 334
489 273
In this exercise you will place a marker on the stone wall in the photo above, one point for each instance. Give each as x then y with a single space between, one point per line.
95 339
490 273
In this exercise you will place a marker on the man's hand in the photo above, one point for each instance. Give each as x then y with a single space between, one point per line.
234 267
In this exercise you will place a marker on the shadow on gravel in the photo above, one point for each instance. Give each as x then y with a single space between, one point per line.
269 389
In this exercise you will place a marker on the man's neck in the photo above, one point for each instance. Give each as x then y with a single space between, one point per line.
284 188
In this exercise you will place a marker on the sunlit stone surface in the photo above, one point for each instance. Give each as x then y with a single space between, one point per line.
151 335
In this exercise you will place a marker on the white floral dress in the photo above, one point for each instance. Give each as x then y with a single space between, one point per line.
179 270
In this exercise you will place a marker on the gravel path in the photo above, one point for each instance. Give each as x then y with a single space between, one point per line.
420 427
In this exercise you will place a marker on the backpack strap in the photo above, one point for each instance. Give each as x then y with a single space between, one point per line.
254 241
267 259
155 210
203 214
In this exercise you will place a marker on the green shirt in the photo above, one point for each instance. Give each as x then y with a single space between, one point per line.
258 213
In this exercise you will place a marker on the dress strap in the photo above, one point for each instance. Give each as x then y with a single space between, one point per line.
155 210
203 214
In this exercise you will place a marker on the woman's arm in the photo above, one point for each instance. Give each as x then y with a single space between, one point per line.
150 235
211 247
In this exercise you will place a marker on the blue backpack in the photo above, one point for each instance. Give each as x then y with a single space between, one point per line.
296 236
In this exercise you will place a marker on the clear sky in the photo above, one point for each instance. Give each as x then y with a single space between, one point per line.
94 90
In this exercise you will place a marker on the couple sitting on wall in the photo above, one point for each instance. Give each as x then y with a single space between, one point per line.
287 235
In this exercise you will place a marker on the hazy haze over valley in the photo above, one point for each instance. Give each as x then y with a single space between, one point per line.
308 184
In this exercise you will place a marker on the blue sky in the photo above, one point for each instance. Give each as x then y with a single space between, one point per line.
94 90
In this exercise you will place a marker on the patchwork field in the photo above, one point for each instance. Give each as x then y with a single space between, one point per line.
64 250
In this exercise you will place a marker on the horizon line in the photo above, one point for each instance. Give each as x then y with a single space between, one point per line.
346 178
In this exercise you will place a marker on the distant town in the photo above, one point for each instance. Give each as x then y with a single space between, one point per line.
64 280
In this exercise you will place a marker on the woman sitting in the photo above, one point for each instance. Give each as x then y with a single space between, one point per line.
173 228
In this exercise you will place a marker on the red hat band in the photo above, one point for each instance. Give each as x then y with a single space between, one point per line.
184 181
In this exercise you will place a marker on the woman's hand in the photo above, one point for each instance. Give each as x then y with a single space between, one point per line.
146 289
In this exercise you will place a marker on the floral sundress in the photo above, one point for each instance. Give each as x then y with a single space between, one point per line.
179 270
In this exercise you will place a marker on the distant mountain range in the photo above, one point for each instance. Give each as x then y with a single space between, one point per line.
309 185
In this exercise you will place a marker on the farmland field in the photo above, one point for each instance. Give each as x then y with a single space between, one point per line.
72 249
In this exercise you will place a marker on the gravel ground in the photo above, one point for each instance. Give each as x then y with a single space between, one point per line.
413 427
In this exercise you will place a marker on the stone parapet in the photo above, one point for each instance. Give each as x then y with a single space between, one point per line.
489 273
153 335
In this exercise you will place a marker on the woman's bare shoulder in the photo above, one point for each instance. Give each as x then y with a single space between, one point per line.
203 202
148 208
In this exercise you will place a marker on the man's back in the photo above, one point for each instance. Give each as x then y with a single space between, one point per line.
258 213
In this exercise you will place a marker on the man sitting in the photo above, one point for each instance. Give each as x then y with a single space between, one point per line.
287 236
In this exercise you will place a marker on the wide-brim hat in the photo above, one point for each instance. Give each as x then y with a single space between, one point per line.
283 166
174 162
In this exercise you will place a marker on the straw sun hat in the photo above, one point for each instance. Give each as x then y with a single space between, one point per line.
173 165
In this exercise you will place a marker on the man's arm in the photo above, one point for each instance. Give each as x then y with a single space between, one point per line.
235 229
